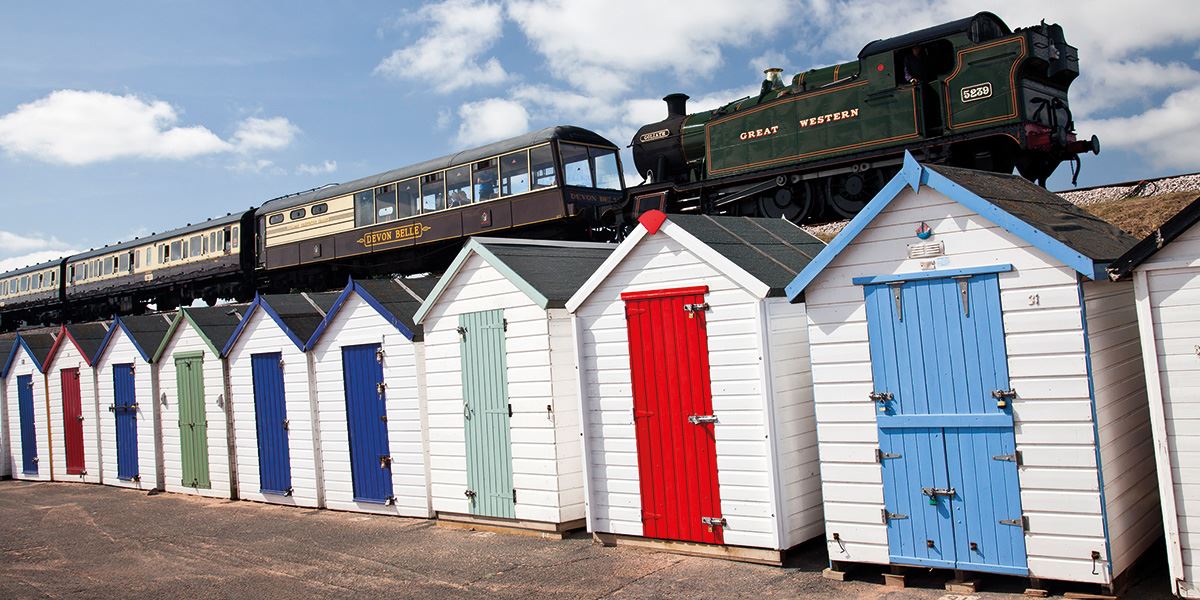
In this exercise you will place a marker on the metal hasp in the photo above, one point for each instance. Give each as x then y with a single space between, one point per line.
1020 521
964 284
888 516
712 522
692 309
880 397
702 419
1002 397
469 493
385 462
935 492
896 288
1015 457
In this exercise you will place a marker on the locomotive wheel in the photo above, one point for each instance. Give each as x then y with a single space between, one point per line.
792 203
848 193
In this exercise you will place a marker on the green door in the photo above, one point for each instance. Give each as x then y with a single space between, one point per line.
193 422
486 414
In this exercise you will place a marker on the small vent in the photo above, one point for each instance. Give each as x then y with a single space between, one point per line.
929 250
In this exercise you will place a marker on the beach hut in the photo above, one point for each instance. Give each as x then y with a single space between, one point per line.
74 416
1165 270
7 341
366 357
28 404
978 385
504 444
273 413
696 393
126 386
197 448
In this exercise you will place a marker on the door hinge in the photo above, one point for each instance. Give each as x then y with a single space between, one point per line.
510 410
505 324
470 494
514 495
379 356
287 492
462 332
1021 521
286 423
1015 457
281 364
692 309
385 462
380 387
887 516
881 456
964 284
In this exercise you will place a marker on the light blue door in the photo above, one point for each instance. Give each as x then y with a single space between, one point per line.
945 424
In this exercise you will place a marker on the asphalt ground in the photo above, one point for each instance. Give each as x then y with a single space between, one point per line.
62 540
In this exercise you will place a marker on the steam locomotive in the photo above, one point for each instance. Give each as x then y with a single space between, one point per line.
969 93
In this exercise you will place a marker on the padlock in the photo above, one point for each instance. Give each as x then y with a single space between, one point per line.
1001 404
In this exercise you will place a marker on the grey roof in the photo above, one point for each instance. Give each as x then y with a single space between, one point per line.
32 268
1158 239
298 314
148 331
562 132
401 297
217 323
7 341
40 342
1046 211
555 269
88 336
141 241
772 250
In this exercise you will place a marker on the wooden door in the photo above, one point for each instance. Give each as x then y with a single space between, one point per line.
486 414
366 420
72 420
271 424
673 415
193 420
29 450
125 411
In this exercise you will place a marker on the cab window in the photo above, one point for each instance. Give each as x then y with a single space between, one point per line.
541 164
408 197
433 192
485 176
385 203
514 173
608 174
576 167
458 187
364 208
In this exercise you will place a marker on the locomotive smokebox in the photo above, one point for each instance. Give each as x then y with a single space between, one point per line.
676 104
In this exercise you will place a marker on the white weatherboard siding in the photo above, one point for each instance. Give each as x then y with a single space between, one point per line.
1126 446
5 436
758 514
121 351
356 323
1168 296
1040 301
187 339
69 357
262 335
23 365
539 352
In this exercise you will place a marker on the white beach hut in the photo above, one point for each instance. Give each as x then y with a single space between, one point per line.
1165 270
273 412
197 445
7 341
697 398
978 383
127 389
74 415
28 404
500 370
365 358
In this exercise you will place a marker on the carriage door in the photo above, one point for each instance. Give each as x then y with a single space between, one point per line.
270 415
945 424
125 409
29 453
486 414
366 419
673 417
193 420
72 420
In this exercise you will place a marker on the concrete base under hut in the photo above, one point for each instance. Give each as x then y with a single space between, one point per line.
761 556
554 531
969 582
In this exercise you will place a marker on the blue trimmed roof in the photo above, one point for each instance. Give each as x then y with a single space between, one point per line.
144 331
1041 218
37 343
298 315
396 300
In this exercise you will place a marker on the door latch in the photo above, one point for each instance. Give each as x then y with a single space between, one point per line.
469 494
712 522
1003 396
379 387
1015 457
462 332
79 418
692 309
702 419
286 423
385 462
881 397
933 493
888 516
1020 521
379 356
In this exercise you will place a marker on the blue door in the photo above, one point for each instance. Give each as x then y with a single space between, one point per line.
946 441
270 413
366 419
125 409
29 453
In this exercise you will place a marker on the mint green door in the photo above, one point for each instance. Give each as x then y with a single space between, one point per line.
486 414
193 422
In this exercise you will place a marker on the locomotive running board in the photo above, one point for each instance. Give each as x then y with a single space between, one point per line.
750 191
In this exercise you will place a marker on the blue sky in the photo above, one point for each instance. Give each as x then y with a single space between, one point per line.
118 119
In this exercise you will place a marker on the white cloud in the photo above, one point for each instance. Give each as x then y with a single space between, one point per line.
328 166
264 134
13 243
256 166
20 250
490 120
603 46
1165 134
448 55
32 258
75 127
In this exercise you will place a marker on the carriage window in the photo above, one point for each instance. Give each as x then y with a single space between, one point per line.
212 242
575 165
514 173
25 283
297 214
204 244
53 277
541 164
433 192
408 197
149 256
235 236
385 203
458 187
196 245
106 267
319 209
485 175
275 219
364 208
37 282
175 251
123 265
221 245
608 175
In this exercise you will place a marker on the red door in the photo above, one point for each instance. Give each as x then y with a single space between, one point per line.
673 417
72 421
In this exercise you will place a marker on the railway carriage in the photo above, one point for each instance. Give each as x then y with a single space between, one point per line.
30 294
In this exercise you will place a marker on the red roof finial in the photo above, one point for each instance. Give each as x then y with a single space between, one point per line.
652 220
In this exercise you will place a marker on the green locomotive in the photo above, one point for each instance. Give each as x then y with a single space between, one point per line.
969 93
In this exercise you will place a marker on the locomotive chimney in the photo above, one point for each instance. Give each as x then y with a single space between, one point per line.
676 105
774 75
